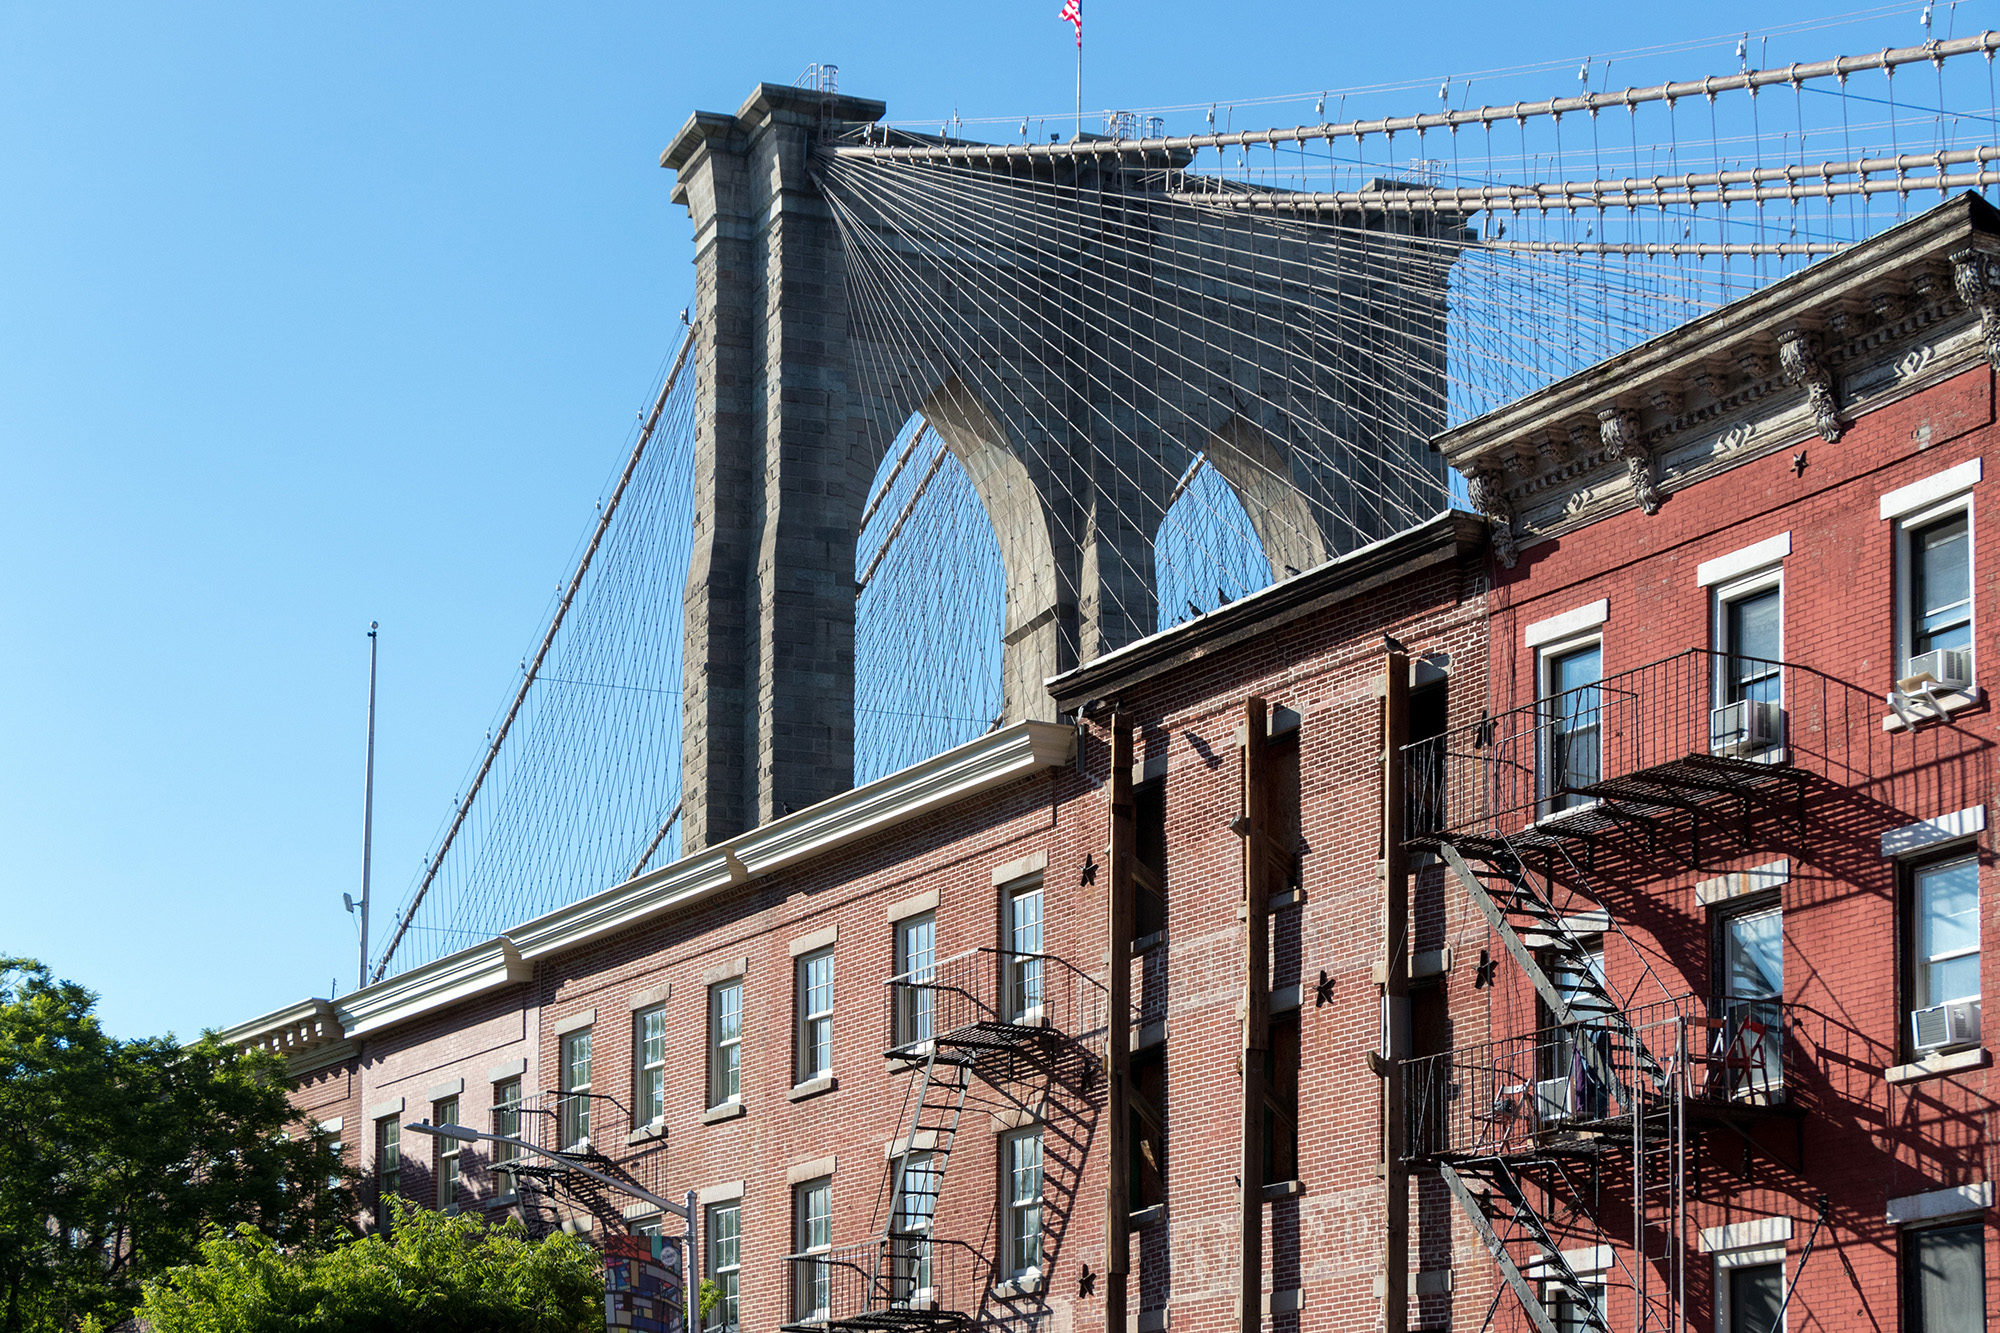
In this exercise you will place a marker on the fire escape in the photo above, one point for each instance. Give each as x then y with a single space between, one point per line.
1545 1136
985 1017
564 1125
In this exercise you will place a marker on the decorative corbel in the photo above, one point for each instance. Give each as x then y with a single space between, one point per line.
1488 495
1801 364
1619 430
1752 362
1666 399
1555 449
1581 437
1710 381
1887 303
1972 278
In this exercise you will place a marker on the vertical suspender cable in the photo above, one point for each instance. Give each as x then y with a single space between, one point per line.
541 653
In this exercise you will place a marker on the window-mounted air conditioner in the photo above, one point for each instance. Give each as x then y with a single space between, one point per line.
1954 1023
1940 668
1748 726
1552 1100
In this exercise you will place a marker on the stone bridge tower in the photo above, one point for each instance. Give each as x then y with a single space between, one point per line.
1074 452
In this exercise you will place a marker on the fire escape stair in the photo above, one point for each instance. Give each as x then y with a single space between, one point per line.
1507 896
1491 1195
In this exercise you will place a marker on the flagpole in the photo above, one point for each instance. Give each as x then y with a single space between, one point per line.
1079 74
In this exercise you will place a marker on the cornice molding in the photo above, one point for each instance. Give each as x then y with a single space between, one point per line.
1799 359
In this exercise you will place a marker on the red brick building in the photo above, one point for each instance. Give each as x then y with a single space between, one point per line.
1548 961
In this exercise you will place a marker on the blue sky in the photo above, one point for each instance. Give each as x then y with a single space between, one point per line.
316 314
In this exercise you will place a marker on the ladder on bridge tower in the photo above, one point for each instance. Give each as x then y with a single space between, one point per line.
1492 1191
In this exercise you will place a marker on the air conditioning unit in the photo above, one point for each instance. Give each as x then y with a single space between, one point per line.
1954 1023
1552 1100
1940 668
1747 726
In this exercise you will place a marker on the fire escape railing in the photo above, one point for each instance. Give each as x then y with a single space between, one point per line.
889 1282
986 1000
1521 1095
1666 737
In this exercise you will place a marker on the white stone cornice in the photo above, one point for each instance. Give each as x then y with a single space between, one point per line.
455 977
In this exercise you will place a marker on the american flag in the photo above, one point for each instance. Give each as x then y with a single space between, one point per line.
1072 12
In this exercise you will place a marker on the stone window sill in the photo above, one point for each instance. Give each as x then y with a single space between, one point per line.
812 1088
1028 1284
1284 1189
715 1115
1141 1218
1938 1065
507 1200
646 1134
1948 702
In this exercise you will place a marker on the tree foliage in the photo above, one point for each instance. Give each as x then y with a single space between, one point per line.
119 1156
431 1271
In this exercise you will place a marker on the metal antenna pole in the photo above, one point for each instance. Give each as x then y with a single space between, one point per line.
368 808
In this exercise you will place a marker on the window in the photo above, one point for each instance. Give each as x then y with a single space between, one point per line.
649 1042
815 999
1944 1279
812 1222
1571 724
912 1239
1752 976
333 1148
388 1166
1021 1193
1146 1182
1570 1310
575 1102
652 1228
1750 1297
1569 1075
1944 932
1938 600
1149 870
1021 955
444 1168
725 1042
506 1119
725 1261
916 953
1281 1100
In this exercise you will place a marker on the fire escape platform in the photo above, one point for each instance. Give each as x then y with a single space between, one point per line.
969 1041
890 1320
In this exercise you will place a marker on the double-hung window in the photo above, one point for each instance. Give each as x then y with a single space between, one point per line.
1571 724
1940 605
1752 976
1749 686
445 1170
388 1165
506 1121
649 1042
916 954
725 1262
915 1203
575 1100
812 1275
1021 953
815 1002
1943 898
1021 1200
725 1042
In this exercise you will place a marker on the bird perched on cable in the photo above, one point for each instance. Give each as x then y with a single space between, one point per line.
1394 644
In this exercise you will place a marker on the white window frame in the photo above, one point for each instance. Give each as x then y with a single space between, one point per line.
1017 977
573 1110
1014 1206
649 1074
1906 526
444 1111
917 1229
1546 656
723 1049
388 1179
1914 873
506 1114
813 1033
728 1313
804 1244
1721 597
913 1002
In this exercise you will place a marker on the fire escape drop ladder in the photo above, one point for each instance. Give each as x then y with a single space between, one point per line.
932 1116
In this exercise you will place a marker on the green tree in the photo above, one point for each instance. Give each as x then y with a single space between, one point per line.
118 1156
431 1271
